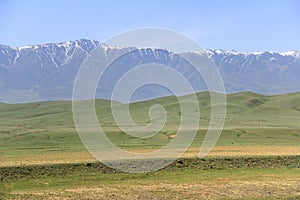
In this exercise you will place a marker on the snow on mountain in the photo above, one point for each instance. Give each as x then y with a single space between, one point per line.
47 71
295 54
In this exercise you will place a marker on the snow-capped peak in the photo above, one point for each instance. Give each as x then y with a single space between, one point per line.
290 53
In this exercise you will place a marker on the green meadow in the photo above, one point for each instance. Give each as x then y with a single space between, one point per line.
36 138
48 127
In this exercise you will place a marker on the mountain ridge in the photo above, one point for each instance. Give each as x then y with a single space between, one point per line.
47 71
233 51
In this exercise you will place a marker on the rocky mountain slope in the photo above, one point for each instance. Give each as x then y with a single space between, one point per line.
47 72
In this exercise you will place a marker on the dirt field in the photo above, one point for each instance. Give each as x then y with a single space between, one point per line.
269 177
77 157
208 190
238 184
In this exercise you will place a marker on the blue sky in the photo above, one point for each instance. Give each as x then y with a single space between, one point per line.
244 25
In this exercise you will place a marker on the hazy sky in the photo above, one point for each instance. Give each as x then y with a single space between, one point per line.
244 25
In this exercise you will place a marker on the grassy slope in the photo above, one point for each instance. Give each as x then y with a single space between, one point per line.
252 119
47 129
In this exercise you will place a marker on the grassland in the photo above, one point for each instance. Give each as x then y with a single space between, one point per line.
256 127
45 132
212 178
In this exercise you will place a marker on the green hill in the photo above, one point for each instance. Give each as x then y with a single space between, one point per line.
48 127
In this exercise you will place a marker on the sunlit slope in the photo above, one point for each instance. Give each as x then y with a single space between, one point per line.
48 127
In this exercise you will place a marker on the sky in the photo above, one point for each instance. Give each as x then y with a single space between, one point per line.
243 25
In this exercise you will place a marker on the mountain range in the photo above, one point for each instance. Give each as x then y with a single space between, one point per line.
47 72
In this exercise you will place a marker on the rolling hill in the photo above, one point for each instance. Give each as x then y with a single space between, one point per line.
45 128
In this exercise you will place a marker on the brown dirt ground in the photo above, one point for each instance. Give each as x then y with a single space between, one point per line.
218 189
77 157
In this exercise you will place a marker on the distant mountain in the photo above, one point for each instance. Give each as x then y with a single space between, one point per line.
47 72
261 72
